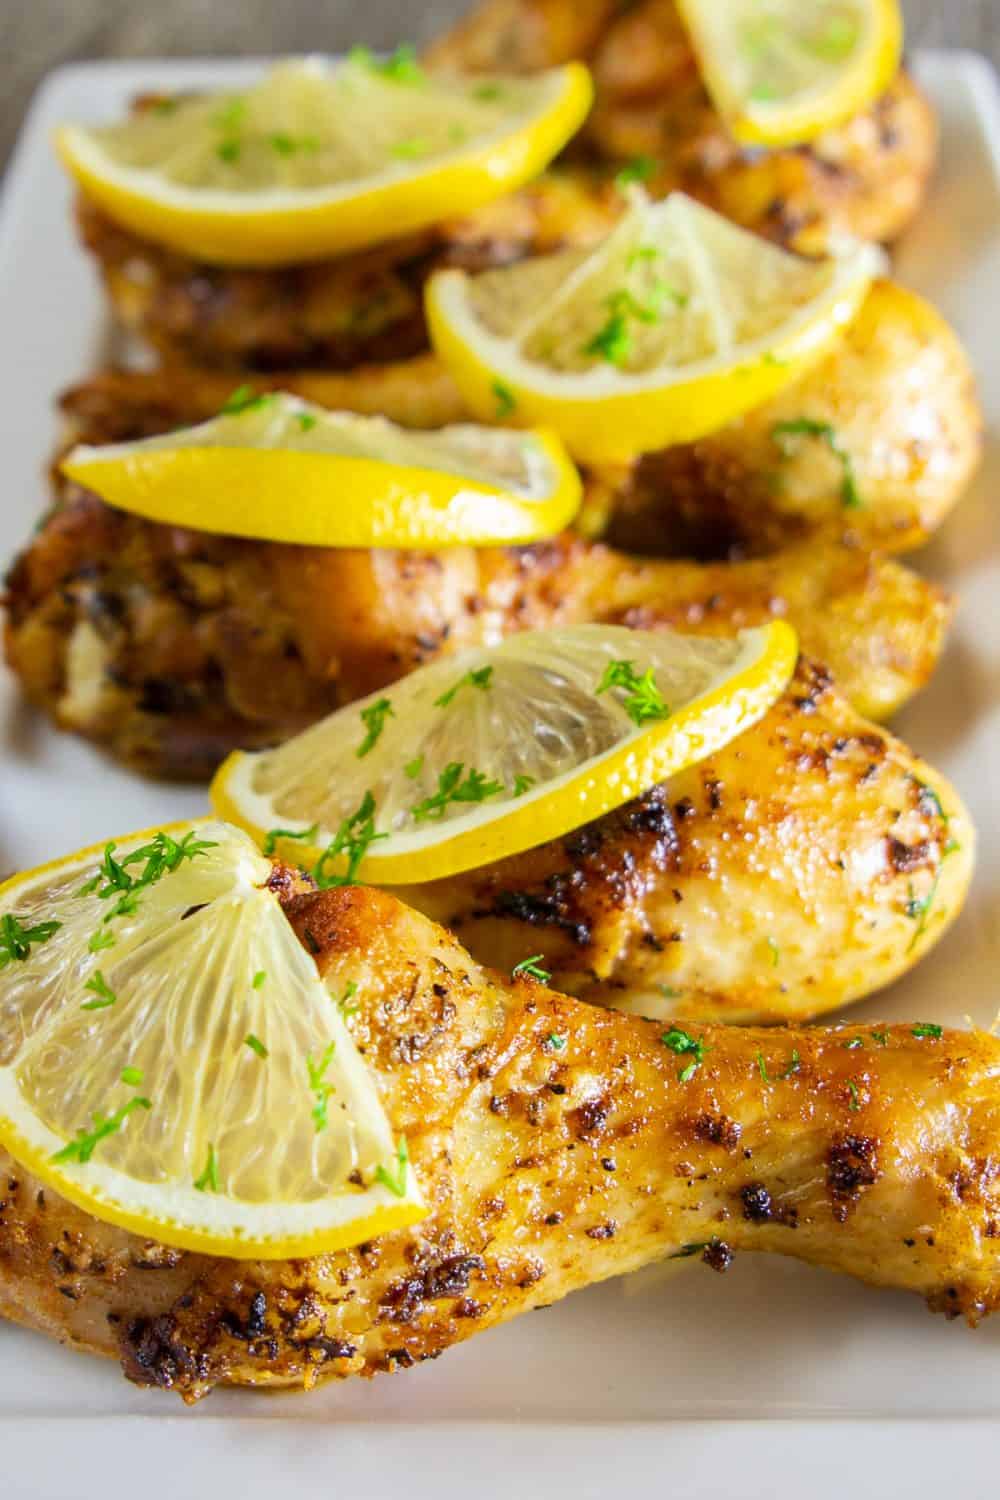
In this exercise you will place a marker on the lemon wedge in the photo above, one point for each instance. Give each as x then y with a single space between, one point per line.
676 324
171 1061
499 749
781 72
322 157
279 468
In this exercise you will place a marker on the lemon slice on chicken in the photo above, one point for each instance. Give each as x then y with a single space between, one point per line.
677 323
499 749
171 1061
782 72
322 157
278 468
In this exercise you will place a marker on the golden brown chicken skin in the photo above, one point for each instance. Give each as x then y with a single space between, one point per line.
808 863
172 647
867 177
557 1144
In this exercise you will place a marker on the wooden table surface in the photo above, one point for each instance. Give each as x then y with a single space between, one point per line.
36 35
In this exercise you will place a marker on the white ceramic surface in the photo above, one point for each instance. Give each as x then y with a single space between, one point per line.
775 1380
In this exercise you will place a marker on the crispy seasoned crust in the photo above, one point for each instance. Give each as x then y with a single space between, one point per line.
172 647
774 881
556 1144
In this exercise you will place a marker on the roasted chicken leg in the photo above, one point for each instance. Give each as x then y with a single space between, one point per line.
557 1144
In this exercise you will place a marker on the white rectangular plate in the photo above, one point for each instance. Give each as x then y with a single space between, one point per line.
649 1383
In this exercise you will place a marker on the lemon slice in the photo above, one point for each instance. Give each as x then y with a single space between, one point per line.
781 72
319 157
279 468
499 749
677 323
171 1061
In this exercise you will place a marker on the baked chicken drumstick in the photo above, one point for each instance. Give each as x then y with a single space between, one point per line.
557 1144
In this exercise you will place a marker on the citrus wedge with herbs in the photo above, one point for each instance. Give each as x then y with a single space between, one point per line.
278 468
171 1061
781 72
322 157
499 749
674 325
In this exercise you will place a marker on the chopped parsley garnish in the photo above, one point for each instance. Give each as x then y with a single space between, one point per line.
274 834
320 1089
785 435
288 145
522 784
98 986
644 702
853 1090
228 151
882 1037
373 718
926 1029
255 1044
354 838
688 1250
306 420
918 909
488 91
259 979
506 400
555 1041
639 169
208 1182
613 341
344 1003
668 992
102 938
400 66
775 952
683 1043
532 968
132 1076
762 1068
245 398
793 1065
414 767
231 115
396 1184
82 1149
416 146
853 1044
161 856
453 787
16 940
479 678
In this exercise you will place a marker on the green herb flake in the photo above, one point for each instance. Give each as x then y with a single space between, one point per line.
762 1068
786 434
882 1037
480 678
274 835
82 1149
853 1044
255 1044
102 938
344 1003
395 1182
643 702
16 940
400 66
98 985
320 1089
775 952
555 1041
639 169
306 420
918 908
259 979
668 992
354 838
684 1044
208 1182
373 718
505 399
612 342
228 151
231 114
161 856
414 767
926 1029
853 1090
243 399
488 91
411 149
132 1076
793 1065
522 784
455 785
531 968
